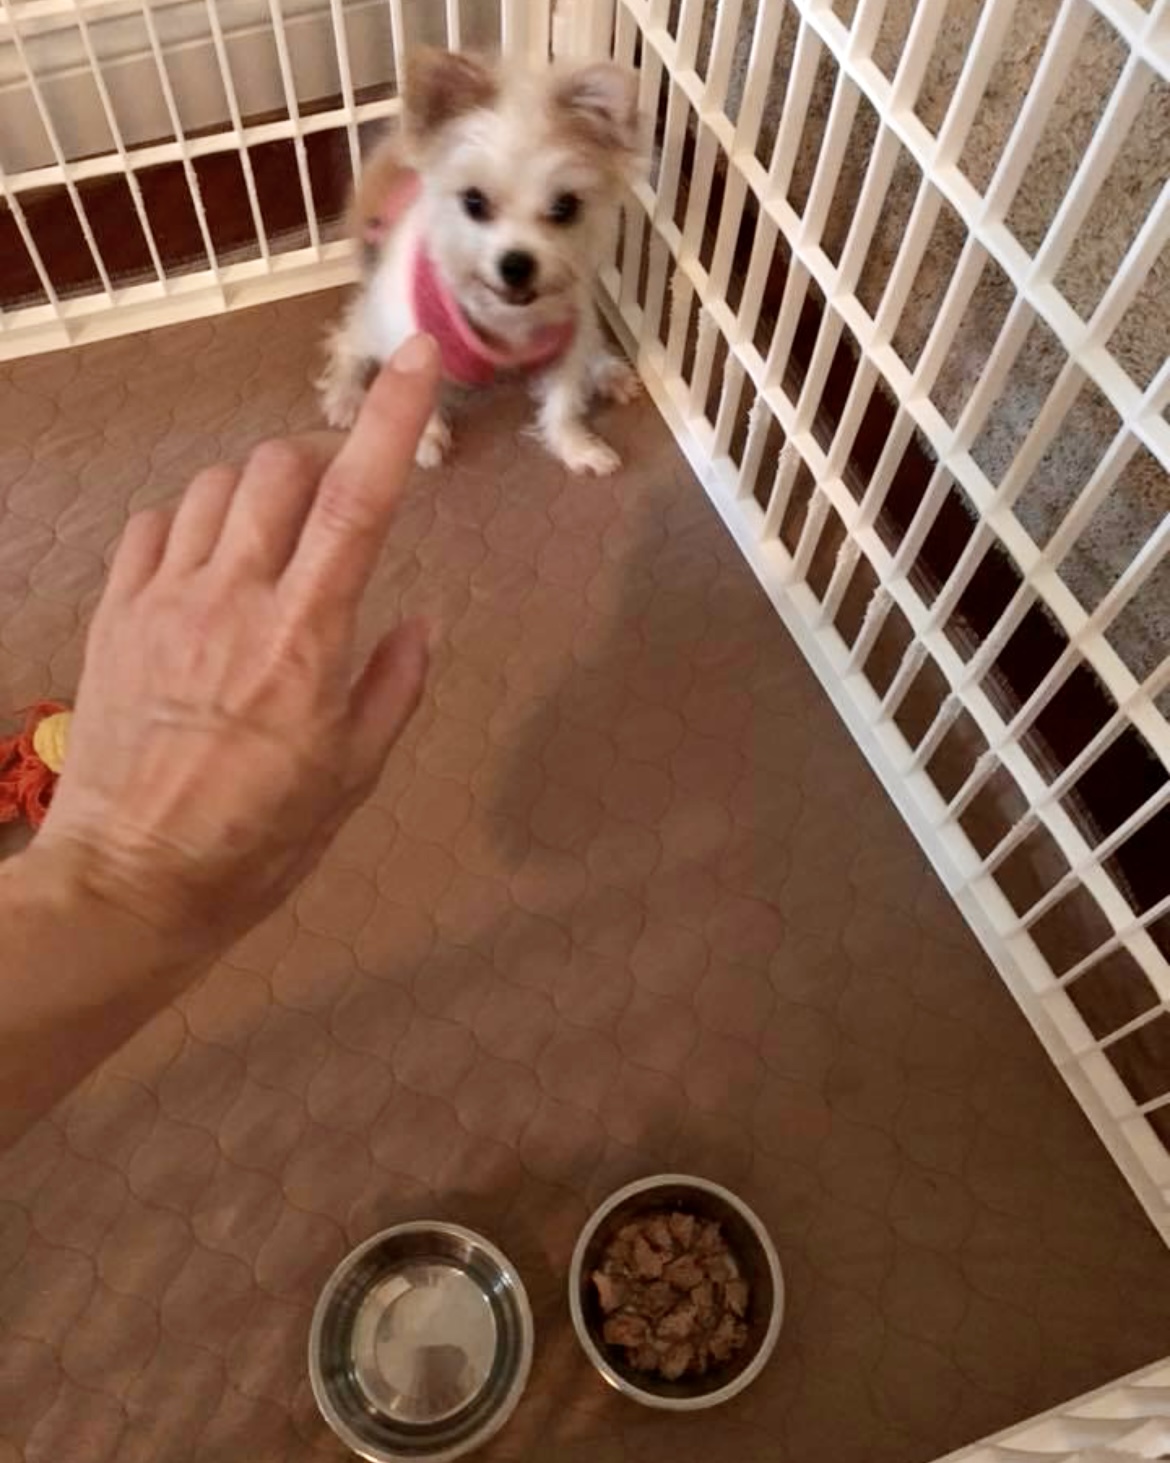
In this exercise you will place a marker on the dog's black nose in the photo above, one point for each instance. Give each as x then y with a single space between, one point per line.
517 268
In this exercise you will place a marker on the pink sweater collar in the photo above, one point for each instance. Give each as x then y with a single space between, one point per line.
468 359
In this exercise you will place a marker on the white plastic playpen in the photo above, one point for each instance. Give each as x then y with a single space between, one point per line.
898 278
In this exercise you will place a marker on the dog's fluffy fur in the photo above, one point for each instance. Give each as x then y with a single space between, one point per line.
521 144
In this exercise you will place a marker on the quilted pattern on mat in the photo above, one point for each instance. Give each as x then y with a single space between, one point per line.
627 899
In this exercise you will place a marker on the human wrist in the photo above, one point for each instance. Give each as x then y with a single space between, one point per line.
57 880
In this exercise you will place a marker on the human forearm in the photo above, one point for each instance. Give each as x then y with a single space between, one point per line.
218 739
78 975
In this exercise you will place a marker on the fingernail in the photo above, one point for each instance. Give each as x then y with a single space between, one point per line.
415 355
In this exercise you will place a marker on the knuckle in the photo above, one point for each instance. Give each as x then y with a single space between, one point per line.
344 506
280 458
212 478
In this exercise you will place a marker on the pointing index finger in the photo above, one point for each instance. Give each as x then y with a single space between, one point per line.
359 491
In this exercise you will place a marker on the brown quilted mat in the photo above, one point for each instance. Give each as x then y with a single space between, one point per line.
628 899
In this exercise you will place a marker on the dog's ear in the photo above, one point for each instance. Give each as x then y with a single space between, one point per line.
441 86
600 103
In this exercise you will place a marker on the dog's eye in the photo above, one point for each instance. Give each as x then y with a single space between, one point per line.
476 205
564 208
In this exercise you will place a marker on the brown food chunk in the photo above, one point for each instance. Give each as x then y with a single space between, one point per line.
728 1337
682 1227
677 1361
684 1273
678 1324
709 1240
611 1291
719 1268
736 1296
655 1300
658 1233
672 1295
648 1263
703 1297
625 1329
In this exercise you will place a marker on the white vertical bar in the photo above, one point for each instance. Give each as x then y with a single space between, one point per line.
682 293
649 89
848 557
1109 136
878 176
813 385
341 42
759 421
946 324
690 26
780 348
805 60
119 144
454 28
398 40
707 333
633 242
727 14
730 223
1134 270
699 195
656 278
1067 32
877 611
670 168
229 88
861 391
34 253
1077 517
513 32
288 82
842 112
815 518
867 24
54 143
760 264
192 181
787 469
916 54
911 251
913 659
921 523
946 716
996 369
540 30
760 66
590 28
729 403
982 54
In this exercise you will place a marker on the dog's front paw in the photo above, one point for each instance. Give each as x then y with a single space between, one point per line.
340 401
617 381
434 444
586 454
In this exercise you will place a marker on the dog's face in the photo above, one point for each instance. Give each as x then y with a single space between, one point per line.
519 173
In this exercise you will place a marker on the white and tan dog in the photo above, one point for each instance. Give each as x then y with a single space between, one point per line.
482 223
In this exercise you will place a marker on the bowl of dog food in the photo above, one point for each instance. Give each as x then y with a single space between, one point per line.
421 1344
676 1293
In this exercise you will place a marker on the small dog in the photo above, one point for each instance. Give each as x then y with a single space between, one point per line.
481 223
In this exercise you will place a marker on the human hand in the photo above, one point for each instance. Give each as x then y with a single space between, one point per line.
219 740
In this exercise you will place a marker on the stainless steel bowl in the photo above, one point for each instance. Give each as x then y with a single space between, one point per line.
749 1243
421 1344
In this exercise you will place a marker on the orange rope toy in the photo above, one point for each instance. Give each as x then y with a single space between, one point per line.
31 762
